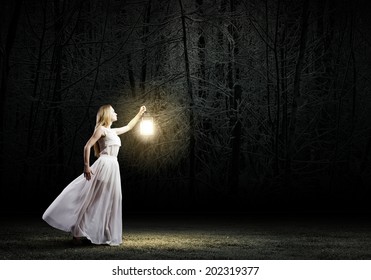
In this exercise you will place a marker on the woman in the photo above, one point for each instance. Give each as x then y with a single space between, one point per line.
90 206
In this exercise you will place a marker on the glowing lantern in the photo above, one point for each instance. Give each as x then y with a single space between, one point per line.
146 125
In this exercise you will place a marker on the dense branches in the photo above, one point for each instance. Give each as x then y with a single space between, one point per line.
248 96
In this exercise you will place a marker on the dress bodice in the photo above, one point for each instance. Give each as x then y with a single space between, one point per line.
109 143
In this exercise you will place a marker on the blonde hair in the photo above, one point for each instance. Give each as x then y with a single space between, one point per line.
103 119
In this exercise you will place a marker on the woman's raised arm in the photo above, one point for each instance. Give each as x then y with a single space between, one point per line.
132 123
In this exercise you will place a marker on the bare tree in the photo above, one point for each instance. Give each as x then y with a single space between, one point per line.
192 181
4 65
296 89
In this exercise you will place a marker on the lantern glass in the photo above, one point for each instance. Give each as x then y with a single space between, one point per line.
146 125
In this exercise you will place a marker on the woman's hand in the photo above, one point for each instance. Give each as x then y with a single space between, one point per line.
88 172
142 110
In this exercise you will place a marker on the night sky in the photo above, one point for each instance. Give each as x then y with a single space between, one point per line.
259 105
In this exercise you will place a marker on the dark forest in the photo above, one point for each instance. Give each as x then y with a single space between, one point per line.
259 105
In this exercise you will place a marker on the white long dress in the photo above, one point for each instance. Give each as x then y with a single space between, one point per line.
93 209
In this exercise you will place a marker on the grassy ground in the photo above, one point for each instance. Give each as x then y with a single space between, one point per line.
259 237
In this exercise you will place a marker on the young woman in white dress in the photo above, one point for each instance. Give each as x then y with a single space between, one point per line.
91 205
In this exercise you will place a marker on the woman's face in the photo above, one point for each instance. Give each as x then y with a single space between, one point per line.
113 115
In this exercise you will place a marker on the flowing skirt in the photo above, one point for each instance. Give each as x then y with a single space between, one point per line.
91 209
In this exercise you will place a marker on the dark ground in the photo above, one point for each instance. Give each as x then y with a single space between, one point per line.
199 236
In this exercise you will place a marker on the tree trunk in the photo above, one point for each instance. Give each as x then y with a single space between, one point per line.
276 128
235 99
236 143
296 92
267 65
143 75
4 69
52 129
35 105
131 75
192 181
353 118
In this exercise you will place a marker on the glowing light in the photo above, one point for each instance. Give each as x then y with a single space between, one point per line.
146 125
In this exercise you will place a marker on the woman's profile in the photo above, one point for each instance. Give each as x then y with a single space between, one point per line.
91 205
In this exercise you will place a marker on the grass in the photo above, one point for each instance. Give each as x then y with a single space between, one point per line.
164 237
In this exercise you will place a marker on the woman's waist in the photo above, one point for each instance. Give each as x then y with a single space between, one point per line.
110 151
108 155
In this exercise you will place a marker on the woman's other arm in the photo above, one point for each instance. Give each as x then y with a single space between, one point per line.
93 139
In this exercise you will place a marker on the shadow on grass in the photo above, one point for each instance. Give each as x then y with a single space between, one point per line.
197 237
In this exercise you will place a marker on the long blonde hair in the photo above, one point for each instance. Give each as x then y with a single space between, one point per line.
103 119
